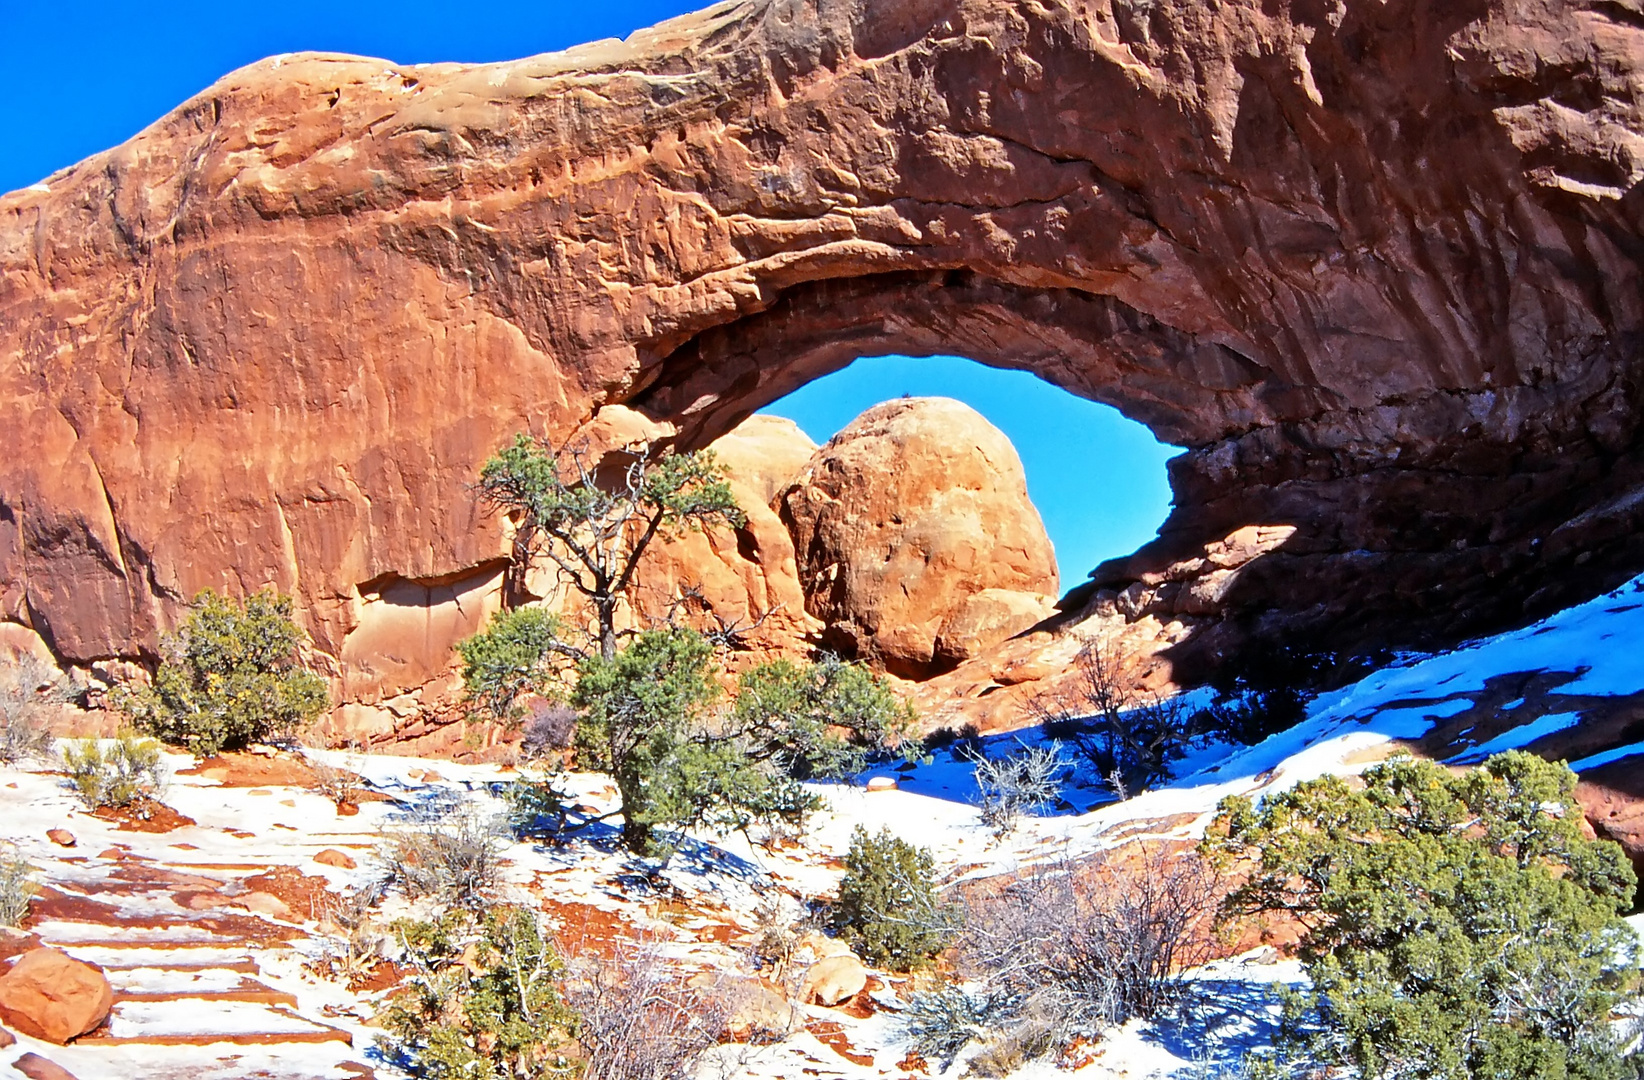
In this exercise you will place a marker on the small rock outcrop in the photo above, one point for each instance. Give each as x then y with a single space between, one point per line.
833 980
1612 798
917 544
50 995
36 1067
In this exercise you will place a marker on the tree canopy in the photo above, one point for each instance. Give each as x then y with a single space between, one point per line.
1457 926
594 527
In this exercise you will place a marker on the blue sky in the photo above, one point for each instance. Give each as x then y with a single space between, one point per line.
81 77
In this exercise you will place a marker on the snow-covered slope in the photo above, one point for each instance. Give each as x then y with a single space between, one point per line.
212 948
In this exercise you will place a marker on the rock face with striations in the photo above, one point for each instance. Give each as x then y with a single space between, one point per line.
917 545
1374 264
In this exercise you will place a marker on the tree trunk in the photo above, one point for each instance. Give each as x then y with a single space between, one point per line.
605 607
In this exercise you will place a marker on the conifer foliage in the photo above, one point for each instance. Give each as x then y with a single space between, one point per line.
888 907
1458 926
231 675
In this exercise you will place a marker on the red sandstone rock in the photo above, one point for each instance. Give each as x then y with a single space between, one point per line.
52 996
1612 798
332 857
36 1067
272 337
764 454
918 543
833 980
60 837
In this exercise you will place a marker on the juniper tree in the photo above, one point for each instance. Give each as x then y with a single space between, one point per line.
1456 926
595 525
651 717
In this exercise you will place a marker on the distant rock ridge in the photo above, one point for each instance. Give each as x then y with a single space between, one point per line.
1375 264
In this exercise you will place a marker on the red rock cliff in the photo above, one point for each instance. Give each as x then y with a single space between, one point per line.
1375 263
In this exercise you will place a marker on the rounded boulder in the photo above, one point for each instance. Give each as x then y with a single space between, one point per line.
52 996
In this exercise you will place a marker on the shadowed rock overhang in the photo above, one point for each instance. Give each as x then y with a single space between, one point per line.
1376 265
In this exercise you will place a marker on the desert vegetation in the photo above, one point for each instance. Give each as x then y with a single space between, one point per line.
646 705
888 905
231 675
1456 925
126 771
30 691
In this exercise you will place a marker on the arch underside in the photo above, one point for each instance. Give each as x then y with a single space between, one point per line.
1460 535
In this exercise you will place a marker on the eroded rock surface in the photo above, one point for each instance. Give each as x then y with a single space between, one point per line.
917 543
1375 264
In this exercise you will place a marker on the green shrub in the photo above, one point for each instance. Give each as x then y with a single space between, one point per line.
125 772
230 676
482 1001
819 721
17 888
515 655
1458 926
888 907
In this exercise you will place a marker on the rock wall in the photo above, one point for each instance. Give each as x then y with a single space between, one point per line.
1375 263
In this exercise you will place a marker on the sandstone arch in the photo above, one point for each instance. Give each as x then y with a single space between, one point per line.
1375 264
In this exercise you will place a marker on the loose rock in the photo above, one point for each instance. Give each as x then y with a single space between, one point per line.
36 1067
52 996
332 857
834 980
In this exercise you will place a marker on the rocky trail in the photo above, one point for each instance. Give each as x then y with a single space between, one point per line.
206 930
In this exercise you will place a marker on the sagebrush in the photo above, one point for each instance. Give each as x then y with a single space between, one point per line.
457 859
30 690
1018 783
17 888
119 773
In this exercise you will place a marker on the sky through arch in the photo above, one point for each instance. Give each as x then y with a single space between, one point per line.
1097 478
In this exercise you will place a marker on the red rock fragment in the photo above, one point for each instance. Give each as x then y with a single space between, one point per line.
333 857
36 1067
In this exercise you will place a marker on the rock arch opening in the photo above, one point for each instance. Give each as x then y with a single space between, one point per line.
1096 477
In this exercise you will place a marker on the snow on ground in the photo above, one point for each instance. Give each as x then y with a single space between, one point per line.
199 952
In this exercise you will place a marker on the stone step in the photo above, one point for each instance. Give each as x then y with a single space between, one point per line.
244 965
240 1038
198 1020
179 935
259 995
